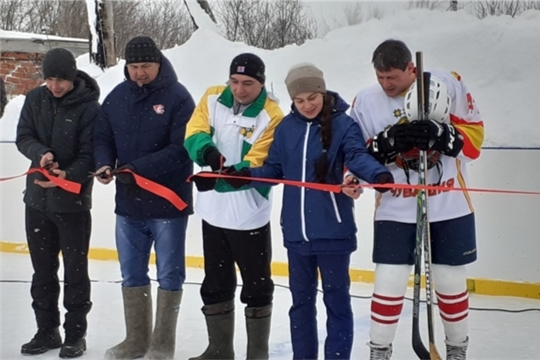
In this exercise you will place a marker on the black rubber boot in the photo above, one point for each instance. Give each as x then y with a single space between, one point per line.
43 341
73 348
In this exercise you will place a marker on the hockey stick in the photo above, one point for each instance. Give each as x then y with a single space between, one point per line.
423 237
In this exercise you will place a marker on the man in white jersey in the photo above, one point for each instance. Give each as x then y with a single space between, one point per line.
452 137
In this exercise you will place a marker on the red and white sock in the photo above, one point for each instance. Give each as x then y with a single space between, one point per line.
387 302
453 299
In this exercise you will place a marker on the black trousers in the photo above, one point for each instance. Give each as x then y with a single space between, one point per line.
251 250
47 235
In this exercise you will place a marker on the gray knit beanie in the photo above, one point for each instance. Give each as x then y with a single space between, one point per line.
304 78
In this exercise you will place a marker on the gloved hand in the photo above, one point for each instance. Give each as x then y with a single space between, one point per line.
432 135
384 178
204 183
213 158
238 183
389 142
125 177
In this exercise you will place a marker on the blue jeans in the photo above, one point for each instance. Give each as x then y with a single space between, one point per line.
134 240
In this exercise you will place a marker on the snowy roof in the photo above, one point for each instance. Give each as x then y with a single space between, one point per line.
17 35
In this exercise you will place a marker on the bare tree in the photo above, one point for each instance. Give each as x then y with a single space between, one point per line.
11 14
427 4
265 24
71 19
126 23
353 13
483 9
166 22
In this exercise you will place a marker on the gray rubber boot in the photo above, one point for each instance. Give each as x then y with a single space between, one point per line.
163 341
138 317
258 320
220 325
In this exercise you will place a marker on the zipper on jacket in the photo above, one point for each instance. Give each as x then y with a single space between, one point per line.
303 189
336 209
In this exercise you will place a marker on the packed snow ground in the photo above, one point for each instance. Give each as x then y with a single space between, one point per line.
494 334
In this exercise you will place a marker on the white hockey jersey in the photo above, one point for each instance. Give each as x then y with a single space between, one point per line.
374 110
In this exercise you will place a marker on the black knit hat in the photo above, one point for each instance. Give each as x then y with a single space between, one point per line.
59 63
250 65
142 49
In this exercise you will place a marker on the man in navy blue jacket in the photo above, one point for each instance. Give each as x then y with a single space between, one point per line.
141 128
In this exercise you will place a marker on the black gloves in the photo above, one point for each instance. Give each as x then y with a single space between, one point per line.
384 178
125 177
432 135
204 183
385 145
213 158
209 183
238 183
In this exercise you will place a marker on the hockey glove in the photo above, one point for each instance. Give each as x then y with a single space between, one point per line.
384 178
213 158
386 144
125 177
432 135
204 183
238 183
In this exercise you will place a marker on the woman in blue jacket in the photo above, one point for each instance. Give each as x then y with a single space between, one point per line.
317 142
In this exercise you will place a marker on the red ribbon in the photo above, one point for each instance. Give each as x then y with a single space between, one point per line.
144 183
67 185
337 188
157 189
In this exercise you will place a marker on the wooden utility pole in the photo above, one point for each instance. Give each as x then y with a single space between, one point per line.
453 5
107 27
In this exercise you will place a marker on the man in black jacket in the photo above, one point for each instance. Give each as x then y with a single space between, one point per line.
3 97
55 132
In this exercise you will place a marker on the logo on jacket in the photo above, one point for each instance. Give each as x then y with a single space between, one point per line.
247 132
159 109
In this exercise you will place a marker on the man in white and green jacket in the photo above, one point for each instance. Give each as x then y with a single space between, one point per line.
231 128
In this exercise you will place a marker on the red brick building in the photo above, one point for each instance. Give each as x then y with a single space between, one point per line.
21 55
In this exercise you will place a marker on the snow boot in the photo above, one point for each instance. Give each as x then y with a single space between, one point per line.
379 352
258 321
220 326
43 341
73 348
163 341
138 317
456 351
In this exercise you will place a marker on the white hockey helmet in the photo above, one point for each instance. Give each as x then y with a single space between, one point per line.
439 101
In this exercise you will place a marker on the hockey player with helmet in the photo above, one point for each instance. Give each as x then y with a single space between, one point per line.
452 136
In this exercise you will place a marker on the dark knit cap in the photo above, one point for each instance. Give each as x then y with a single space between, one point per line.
304 78
59 63
250 65
142 49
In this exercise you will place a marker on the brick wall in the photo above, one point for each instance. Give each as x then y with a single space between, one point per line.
21 71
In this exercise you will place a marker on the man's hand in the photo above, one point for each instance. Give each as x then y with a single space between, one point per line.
104 174
125 177
47 162
352 192
204 183
213 158
49 184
